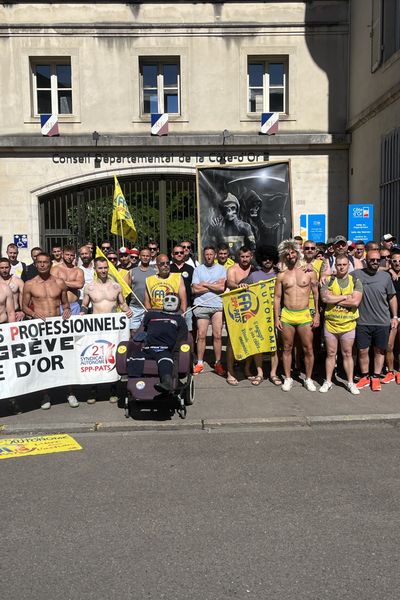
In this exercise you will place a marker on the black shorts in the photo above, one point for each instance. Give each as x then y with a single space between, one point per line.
372 335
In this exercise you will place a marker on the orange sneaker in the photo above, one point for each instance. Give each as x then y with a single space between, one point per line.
398 377
219 369
376 384
389 377
198 369
364 382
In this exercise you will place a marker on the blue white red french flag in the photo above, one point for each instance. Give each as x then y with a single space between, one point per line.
49 125
269 123
159 124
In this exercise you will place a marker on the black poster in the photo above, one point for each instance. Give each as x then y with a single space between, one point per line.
244 205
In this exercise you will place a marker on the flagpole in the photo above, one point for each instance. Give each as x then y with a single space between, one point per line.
122 233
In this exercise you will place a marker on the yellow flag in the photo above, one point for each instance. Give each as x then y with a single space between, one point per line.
122 223
249 315
113 273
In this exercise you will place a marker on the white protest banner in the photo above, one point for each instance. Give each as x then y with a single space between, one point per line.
38 355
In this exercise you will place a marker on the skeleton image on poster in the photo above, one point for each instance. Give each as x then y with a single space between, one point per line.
244 205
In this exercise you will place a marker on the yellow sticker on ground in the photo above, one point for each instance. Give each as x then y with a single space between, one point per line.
43 444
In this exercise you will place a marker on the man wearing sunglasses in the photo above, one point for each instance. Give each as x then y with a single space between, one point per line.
189 258
378 316
154 252
178 265
394 333
164 282
105 246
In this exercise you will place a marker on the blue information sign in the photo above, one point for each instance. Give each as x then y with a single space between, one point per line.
361 222
21 240
313 227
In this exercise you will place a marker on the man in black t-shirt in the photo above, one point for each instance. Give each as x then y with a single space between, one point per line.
178 265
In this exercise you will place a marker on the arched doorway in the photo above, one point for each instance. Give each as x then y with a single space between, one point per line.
163 207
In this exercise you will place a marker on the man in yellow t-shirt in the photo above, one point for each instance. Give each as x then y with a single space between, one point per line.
165 282
342 294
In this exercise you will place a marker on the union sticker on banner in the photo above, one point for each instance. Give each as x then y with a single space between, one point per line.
249 317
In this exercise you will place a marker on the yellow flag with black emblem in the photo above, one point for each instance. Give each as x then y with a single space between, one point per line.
122 223
249 316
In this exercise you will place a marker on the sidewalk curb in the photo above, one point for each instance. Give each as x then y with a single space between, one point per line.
201 425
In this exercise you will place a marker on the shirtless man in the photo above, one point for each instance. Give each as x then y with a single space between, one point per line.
7 313
56 253
41 298
105 295
235 275
294 285
73 277
15 284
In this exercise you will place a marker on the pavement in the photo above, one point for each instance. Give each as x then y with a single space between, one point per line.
216 405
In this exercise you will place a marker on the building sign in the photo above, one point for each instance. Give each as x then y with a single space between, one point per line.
108 159
361 222
313 227
21 240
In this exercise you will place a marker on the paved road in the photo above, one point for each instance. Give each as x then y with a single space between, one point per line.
310 514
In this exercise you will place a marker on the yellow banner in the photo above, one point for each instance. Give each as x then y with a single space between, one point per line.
122 223
43 444
249 315
113 273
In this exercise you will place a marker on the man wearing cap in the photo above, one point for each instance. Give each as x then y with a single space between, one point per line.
387 241
124 266
134 258
339 249
229 228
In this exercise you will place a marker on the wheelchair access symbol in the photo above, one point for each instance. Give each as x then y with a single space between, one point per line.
21 240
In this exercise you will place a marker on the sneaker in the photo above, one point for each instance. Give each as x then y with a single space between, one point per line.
113 399
325 387
287 384
219 369
353 389
309 385
389 377
363 382
92 396
91 400
198 369
398 377
45 405
375 384
72 401
15 408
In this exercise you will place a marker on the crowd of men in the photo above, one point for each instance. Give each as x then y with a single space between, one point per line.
339 294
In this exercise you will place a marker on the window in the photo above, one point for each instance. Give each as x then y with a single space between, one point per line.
160 83
267 85
385 31
52 86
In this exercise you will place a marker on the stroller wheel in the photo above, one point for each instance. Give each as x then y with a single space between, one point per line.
189 391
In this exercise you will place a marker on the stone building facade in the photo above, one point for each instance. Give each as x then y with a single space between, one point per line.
213 66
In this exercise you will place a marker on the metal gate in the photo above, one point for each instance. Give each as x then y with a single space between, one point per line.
390 184
163 208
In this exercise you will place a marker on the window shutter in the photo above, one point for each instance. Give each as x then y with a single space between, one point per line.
376 35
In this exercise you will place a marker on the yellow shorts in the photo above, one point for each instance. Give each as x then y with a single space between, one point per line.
296 318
